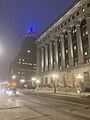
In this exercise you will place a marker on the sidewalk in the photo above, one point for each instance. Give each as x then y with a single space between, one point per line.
58 93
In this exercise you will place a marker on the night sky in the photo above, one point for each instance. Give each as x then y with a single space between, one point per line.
16 18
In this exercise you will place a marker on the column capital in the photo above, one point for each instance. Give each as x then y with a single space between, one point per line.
78 23
62 36
69 30
42 48
46 46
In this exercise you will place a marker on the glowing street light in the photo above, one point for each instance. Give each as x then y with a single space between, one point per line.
33 79
37 81
79 88
79 76
13 76
22 80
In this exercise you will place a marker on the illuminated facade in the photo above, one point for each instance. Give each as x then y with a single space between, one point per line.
24 64
64 48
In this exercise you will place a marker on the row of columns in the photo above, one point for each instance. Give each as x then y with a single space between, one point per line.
44 57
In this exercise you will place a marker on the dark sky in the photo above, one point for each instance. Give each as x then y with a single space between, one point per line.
16 17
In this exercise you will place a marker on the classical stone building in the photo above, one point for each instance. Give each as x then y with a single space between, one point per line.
63 50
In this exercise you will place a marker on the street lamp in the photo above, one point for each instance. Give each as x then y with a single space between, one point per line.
22 82
37 82
54 77
13 76
79 77
33 82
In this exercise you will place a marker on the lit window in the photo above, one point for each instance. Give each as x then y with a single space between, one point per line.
66 51
19 59
18 72
28 51
67 66
85 53
24 63
74 47
60 68
54 63
59 54
75 30
83 9
86 32
19 62
65 36
59 40
34 64
23 59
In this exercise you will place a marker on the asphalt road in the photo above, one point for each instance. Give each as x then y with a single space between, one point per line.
50 106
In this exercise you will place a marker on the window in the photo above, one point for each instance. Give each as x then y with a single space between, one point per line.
88 5
83 9
74 47
77 13
65 23
73 17
85 53
66 51
61 26
68 20
28 51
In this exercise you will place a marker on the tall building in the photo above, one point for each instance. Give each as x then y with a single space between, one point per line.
24 64
63 50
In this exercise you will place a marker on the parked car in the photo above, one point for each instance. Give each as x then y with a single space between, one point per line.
12 91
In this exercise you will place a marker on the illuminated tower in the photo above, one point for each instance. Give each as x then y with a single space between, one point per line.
24 65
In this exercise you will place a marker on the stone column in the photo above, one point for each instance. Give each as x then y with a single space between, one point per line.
70 48
38 60
50 57
42 59
56 54
79 44
46 58
62 52
88 29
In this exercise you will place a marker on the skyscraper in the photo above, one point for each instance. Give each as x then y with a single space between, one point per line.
24 64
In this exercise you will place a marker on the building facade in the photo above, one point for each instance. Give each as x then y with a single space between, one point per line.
63 50
24 64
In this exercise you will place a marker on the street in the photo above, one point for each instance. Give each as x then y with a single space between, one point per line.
37 106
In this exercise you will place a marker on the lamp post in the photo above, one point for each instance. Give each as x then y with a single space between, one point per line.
33 82
37 82
79 77
22 82
54 77
12 80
